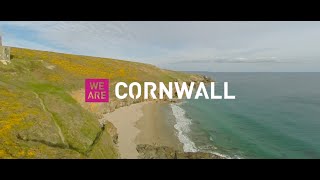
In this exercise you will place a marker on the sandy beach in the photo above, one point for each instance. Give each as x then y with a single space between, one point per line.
157 126
142 123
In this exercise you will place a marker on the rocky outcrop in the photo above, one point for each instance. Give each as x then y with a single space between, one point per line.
112 131
147 151
197 155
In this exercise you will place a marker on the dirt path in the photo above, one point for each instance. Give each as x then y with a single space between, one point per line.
56 124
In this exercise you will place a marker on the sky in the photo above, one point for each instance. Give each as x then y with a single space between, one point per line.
217 46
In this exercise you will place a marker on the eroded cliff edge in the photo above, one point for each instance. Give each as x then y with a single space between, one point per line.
43 114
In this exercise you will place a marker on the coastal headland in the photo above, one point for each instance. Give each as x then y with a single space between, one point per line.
44 114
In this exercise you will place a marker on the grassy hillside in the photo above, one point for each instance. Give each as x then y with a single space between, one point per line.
42 109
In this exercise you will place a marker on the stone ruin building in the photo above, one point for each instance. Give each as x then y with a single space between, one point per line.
4 53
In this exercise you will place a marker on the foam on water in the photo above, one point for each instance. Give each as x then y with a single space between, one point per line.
183 127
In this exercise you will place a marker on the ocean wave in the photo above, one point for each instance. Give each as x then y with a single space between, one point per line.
183 127
210 147
212 150
211 139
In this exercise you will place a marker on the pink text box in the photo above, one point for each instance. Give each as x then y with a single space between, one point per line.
97 90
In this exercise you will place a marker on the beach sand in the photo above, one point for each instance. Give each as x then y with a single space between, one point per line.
157 126
143 123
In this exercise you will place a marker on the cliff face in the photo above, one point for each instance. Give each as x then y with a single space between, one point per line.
43 113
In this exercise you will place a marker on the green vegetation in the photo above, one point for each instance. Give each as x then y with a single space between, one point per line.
42 109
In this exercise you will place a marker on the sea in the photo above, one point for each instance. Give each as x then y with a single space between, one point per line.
274 115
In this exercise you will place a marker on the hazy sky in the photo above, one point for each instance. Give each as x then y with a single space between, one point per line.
190 46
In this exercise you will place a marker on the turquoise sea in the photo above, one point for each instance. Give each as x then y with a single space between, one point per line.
275 115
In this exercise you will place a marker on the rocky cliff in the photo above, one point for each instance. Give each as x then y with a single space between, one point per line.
43 113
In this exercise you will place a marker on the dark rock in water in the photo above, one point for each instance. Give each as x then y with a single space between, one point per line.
147 151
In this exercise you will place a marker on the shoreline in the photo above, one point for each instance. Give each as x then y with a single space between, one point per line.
157 126
143 123
124 119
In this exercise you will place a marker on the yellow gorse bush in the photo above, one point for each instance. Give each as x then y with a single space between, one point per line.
13 113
